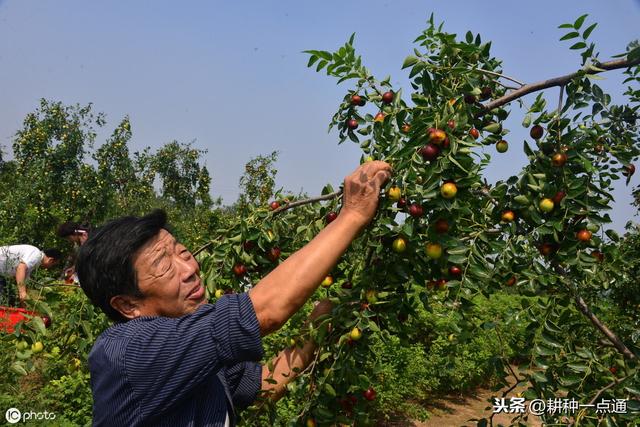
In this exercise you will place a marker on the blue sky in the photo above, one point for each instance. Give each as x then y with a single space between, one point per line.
231 76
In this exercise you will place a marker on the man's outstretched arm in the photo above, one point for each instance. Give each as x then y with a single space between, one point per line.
21 277
283 291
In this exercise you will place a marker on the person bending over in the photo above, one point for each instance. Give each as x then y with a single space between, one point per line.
18 262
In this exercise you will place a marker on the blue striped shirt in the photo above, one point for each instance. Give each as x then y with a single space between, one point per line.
186 371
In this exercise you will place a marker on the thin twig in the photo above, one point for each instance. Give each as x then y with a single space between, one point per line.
506 86
493 73
557 81
307 201
560 102
206 245
50 285
602 390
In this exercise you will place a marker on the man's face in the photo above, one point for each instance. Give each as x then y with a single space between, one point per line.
168 277
77 238
74 238
48 262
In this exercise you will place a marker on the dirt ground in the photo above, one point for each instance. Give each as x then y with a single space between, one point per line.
456 410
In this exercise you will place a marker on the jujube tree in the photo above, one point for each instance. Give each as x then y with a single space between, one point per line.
444 236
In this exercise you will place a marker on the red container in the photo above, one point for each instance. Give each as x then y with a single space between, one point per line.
10 316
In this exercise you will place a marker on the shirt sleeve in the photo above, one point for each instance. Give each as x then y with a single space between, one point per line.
166 358
32 258
244 381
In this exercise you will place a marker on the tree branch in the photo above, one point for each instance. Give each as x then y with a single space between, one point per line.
602 390
493 73
307 201
556 81
584 309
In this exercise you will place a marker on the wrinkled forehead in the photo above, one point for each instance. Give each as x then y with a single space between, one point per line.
154 249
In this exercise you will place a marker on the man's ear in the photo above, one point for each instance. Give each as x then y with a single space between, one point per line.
126 305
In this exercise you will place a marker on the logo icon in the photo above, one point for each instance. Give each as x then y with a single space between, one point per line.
13 415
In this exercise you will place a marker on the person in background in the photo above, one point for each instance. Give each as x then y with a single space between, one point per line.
74 232
18 262
77 234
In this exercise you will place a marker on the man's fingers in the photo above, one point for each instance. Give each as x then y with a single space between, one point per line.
376 166
371 168
381 177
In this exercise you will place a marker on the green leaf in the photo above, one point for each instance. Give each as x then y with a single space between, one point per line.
570 380
550 341
18 368
570 35
577 367
588 31
522 199
551 327
594 77
488 325
579 45
632 390
492 127
612 235
38 324
539 377
457 259
579 21
543 351
479 272
409 61
565 26
458 250
469 37
329 389
312 60
526 122
455 162
321 65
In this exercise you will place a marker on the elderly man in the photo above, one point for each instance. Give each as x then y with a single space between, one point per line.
19 261
171 358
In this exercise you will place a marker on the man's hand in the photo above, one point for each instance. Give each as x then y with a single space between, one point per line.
320 308
362 189
286 366
22 294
